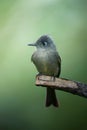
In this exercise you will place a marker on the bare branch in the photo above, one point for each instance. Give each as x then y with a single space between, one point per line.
67 85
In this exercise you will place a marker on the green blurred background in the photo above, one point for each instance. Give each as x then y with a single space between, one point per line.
22 104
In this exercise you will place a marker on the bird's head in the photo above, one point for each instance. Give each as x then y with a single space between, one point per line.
44 42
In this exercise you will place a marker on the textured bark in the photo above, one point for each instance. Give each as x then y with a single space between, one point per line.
67 85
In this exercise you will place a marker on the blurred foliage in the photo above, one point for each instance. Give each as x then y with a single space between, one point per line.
22 105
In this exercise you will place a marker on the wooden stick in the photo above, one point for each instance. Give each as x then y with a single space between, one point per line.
67 85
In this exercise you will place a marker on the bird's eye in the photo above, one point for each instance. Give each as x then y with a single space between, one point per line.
44 43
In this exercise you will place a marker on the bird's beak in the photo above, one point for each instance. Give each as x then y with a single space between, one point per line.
32 44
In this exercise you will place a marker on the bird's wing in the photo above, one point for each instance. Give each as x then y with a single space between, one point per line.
58 58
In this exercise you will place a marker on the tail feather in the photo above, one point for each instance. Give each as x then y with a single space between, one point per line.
51 98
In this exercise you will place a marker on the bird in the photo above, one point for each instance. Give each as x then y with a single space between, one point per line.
48 62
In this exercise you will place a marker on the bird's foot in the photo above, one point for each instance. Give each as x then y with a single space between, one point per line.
53 78
45 78
39 76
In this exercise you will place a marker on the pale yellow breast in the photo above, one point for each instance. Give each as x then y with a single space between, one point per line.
45 62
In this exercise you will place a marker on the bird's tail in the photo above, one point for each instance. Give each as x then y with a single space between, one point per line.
51 98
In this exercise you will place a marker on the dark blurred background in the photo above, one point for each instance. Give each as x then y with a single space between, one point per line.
22 104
